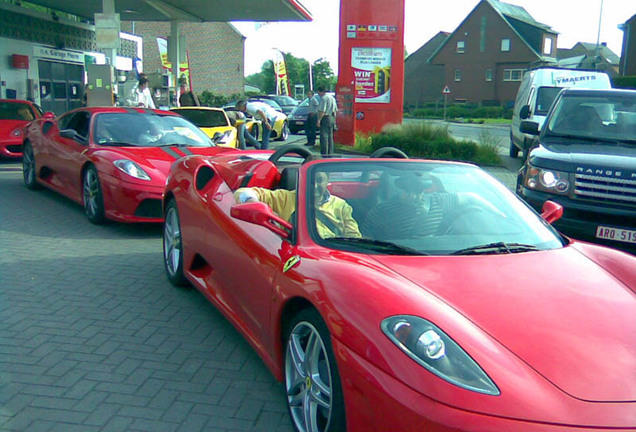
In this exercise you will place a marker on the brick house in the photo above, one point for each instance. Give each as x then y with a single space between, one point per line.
424 80
628 59
485 57
216 51
585 55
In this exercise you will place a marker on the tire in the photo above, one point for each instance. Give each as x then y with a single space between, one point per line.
389 152
514 151
293 130
312 381
93 197
29 170
173 246
284 132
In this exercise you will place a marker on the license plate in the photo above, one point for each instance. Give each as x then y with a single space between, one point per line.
616 234
299 123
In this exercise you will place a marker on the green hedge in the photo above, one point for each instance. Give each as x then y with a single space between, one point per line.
461 111
430 142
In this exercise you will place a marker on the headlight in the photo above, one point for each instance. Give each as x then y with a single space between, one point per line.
552 181
16 132
433 349
131 168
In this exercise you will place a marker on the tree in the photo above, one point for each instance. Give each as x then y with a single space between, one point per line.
297 73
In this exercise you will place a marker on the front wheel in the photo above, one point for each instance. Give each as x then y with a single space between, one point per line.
173 246
312 382
93 197
513 151
28 167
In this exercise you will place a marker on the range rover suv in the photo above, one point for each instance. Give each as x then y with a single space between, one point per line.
586 161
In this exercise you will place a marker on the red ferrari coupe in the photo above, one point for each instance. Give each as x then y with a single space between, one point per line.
14 116
392 294
114 161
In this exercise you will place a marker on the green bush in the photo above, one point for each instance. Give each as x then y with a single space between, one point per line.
460 111
207 98
426 141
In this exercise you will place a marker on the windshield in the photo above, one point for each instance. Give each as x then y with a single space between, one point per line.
285 100
204 118
604 116
545 97
407 208
147 130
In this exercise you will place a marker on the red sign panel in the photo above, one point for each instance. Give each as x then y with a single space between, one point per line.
20 61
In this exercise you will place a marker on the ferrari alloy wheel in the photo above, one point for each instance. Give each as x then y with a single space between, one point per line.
172 246
284 132
93 198
28 167
312 382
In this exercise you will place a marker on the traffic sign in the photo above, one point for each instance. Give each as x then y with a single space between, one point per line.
446 90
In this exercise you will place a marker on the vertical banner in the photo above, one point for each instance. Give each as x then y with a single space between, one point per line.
372 74
184 68
280 70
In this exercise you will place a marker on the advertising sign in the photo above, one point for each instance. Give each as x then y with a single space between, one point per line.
371 68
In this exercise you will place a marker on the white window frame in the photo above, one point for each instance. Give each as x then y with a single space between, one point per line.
547 43
461 47
512 74
458 74
505 45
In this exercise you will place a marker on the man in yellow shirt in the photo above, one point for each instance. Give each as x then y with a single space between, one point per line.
333 214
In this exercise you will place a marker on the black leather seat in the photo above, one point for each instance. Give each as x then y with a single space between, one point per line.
288 178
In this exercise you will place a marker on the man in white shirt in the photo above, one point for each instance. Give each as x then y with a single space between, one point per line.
140 95
327 120
263 112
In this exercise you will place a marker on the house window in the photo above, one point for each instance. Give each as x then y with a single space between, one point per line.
505 45
489 74
458 75
460 46
547 46
512 74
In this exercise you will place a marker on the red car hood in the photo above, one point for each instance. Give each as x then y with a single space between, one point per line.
6 126
558 311
156 161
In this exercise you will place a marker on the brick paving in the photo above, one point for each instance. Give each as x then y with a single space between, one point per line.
94 338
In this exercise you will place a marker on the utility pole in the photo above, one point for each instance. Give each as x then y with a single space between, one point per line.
597 51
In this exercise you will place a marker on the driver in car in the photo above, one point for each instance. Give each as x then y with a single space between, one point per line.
414 213
333 214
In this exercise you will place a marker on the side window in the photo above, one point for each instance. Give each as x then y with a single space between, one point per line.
79 122
65 121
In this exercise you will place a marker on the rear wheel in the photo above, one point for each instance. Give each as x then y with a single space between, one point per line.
173 246
284 132
93 197
312 383
28 167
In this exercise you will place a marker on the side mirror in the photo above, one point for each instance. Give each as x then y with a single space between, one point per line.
551 211
524 113
529 127
261 214
72 134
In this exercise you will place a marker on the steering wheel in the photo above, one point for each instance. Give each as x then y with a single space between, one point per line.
389 152
302 151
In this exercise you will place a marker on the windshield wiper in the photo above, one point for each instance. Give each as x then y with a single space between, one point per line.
389 248
116 144
496 248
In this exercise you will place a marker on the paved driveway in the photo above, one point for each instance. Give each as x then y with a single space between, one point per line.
94 338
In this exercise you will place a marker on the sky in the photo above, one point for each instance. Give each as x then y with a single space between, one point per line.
574 20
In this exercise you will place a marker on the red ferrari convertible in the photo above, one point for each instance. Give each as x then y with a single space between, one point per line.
393 294
114 161
14 116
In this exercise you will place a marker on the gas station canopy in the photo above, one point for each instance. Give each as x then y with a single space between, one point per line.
187 10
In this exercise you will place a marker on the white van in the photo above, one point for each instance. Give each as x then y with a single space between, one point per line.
538 89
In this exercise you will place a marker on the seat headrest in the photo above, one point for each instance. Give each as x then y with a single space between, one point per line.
288 178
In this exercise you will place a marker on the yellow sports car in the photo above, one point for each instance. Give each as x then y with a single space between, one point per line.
215 123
